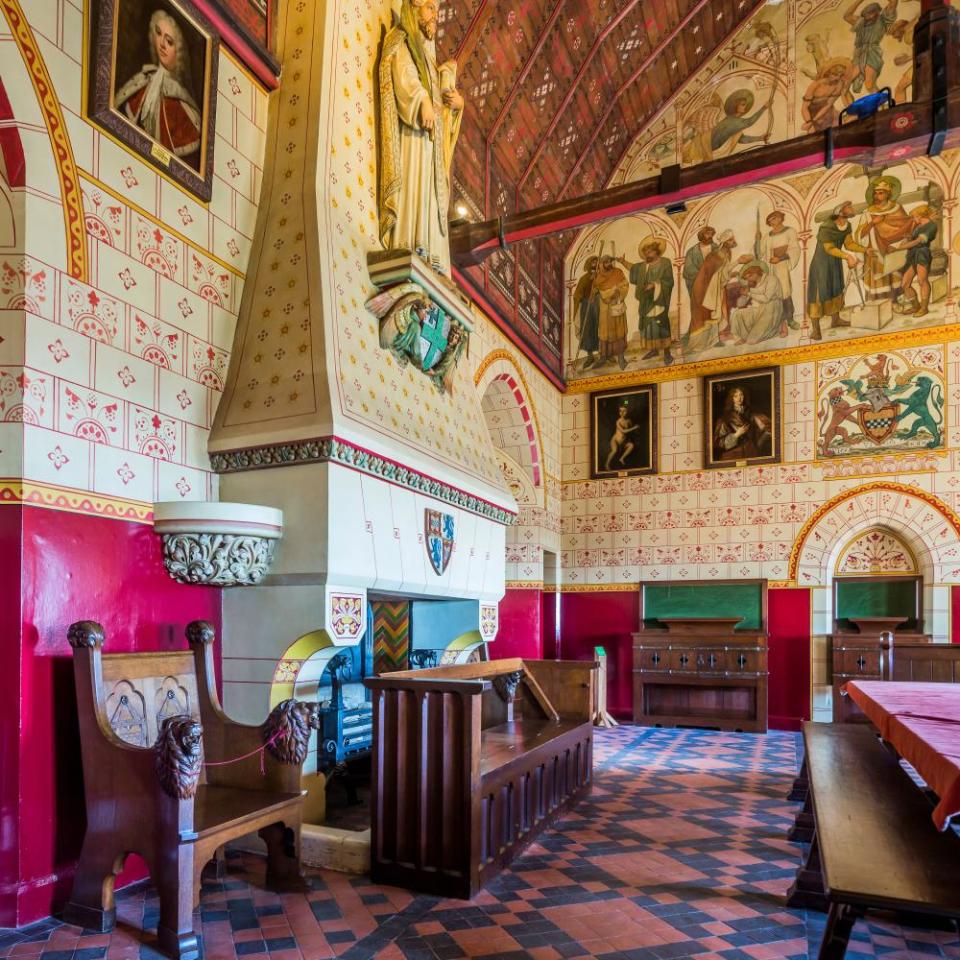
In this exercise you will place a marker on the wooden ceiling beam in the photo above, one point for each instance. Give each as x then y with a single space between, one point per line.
890 136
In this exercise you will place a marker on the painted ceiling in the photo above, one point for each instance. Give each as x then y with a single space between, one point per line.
556 91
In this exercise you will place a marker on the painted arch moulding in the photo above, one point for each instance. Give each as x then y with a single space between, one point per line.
922 521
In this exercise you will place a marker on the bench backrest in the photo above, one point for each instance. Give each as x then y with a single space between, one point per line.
140 690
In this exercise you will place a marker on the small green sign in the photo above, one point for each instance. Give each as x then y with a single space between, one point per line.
599 651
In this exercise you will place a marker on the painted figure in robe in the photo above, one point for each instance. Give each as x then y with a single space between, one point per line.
652 278
158 99
709 307
869 27
612 287
586 308
883 225
780 247
758 314
825 285
420 115
693 260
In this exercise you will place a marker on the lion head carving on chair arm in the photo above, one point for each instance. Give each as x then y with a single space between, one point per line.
286 731
178 756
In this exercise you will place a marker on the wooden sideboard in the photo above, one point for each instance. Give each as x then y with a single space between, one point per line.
700 672
471 762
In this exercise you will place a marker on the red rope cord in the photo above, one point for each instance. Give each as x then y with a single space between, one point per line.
247 756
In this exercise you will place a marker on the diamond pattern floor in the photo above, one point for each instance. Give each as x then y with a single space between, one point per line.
678 853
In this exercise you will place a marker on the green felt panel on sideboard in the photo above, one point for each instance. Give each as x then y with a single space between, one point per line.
879 598
705 600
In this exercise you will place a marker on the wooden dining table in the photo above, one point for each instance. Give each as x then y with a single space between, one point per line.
921 722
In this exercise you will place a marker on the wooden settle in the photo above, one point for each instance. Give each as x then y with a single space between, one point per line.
700 658
160 781
874 845
471 762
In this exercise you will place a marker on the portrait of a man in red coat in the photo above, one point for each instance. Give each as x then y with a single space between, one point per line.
160 97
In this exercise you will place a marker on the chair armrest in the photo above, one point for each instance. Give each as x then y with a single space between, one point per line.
234 752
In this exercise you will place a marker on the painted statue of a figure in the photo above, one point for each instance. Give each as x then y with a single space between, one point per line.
420 114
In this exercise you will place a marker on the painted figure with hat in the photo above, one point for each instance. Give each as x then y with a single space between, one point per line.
758 315
825 284
652 279
869 27
780 248
731 131
919 258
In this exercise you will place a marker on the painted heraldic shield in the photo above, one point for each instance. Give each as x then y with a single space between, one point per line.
439 532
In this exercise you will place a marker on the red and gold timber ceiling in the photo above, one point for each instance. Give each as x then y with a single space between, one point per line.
556 92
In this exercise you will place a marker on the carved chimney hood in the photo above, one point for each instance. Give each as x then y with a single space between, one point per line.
373 467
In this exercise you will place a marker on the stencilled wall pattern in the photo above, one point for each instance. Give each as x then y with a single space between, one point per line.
688 523
123 366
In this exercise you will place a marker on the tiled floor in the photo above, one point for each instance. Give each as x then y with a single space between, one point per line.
680 852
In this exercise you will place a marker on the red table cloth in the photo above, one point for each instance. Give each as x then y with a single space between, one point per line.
921 721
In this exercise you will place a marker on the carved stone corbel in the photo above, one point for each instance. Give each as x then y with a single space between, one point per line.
178 756
286 732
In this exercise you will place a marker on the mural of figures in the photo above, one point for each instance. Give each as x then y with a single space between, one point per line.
831 255
855 251
881 403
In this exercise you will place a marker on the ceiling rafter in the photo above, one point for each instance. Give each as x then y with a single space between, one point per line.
648 61
508 101
574 87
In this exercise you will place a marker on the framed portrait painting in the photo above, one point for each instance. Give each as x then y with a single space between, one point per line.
741 418
153 84
623 432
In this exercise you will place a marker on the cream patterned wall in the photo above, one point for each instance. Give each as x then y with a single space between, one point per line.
127 337
686 523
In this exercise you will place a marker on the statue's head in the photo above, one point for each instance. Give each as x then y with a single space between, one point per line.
426 15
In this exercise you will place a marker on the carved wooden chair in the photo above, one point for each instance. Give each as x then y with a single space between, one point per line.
159 781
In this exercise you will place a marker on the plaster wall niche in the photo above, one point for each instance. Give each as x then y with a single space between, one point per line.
320 421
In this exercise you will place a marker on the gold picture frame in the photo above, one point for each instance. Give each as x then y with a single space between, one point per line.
153 85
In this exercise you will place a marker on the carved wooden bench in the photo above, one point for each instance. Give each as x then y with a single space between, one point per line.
160 780
874 846
470 763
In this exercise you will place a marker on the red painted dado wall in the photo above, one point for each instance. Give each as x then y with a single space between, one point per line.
607 619
68 567
520 631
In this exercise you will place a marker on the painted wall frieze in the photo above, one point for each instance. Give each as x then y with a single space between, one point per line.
334 450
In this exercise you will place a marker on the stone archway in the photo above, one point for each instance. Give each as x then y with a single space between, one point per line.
509 414
918 519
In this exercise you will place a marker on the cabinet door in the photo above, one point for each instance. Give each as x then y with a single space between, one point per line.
856 662
712 660
683 659
745 660
651 659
